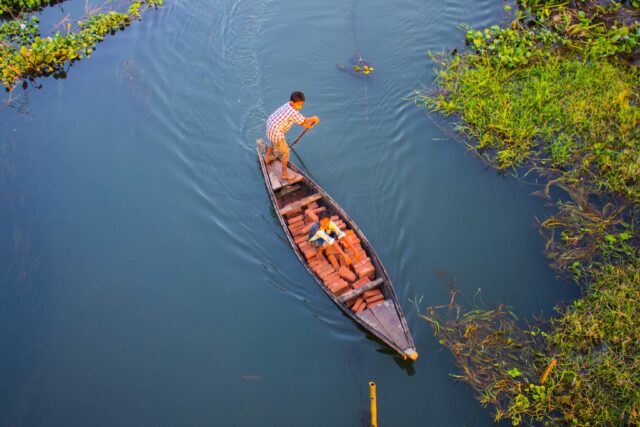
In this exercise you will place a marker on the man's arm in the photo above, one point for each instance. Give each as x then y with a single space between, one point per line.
309 122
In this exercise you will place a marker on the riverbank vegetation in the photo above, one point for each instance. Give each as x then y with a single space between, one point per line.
26 54
555 94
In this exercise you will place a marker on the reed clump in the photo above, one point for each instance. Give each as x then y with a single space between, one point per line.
554 93
577 369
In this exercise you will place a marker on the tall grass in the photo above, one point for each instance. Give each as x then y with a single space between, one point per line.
560 101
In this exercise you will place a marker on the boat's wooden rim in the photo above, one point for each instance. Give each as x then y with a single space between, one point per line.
360 318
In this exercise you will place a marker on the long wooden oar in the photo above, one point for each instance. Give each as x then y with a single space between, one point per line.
300 136
296 154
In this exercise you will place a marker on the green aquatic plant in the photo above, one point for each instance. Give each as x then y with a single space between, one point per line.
359 67
593 348
552 95
26 55
13 6
576 119
19 31
512 47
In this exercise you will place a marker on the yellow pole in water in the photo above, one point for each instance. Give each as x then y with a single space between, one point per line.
374 404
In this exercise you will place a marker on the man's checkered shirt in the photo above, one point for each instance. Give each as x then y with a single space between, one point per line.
281 121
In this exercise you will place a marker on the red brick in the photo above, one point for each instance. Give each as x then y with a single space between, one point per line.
362 266
325 266
362 307
360 283
364 261
311 215
309 254
296 227
312 205
372 293
304 245
342 262
326 271
347 274
317 268
352 235
350 246
357 304
366 271
374 299
334 261
295 219
321 263
338 287
298 232
294 213
330 278
321 260
358 250
361 255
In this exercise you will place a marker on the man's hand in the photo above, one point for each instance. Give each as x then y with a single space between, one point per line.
311 122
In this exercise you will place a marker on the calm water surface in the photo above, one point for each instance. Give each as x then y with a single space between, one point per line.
144 279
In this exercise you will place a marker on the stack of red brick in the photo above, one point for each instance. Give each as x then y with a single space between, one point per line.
335 274
363 267
368 299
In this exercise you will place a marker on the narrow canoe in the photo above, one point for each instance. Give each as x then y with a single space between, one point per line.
363 290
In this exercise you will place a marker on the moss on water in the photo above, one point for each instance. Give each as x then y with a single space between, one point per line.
554 94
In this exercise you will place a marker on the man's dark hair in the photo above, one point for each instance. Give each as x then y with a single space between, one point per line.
297 96
323 214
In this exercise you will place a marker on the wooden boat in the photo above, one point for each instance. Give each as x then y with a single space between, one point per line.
369 298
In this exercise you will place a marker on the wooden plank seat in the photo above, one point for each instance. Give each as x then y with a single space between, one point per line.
300 203
357 292
274 169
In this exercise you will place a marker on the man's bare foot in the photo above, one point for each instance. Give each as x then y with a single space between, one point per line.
269 156
287 176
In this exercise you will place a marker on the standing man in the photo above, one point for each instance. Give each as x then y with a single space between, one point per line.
279 122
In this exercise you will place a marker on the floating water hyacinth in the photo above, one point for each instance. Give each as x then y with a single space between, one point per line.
359 67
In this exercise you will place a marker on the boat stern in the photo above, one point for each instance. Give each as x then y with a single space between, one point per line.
410 353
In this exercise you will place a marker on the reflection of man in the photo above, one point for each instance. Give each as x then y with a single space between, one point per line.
279 122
